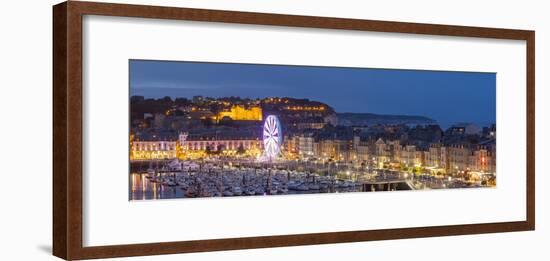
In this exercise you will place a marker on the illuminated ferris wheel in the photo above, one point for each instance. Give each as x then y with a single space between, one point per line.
273 136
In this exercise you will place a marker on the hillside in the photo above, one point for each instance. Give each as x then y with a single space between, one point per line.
355 119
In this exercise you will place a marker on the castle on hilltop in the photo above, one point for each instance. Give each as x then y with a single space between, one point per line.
241 113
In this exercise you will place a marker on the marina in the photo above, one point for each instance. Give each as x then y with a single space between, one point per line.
194 179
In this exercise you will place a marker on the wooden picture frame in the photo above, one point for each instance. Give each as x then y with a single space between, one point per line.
68 145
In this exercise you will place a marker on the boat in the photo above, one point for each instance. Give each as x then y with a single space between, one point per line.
237 191
174 165
150 173
314 187
292 185
302 187
205 194
190 193
250 192
259 191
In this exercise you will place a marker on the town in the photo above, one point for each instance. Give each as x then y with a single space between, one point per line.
358 148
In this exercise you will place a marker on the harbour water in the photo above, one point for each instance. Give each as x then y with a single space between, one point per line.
141 188
189 179
192 179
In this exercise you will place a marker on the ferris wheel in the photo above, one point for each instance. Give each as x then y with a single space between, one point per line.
273 136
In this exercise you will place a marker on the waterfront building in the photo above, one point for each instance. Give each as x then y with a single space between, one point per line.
338 150
411 157
146 150
362 151
479 160
316 149
483 158
150 147
433 155
291 145
395 150
356 141
382 153
222 144
305 146
444 159
459 158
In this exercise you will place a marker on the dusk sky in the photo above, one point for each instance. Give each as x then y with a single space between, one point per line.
447 97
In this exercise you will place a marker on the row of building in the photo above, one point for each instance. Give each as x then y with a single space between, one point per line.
171 146
444 158
380 153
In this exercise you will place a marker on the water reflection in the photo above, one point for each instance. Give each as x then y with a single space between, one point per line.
142 188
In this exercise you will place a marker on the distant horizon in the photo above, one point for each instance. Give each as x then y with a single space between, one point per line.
445 97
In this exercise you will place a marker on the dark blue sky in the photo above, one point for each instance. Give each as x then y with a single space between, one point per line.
447 97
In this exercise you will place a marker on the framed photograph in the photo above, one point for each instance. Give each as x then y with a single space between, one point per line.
186 130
